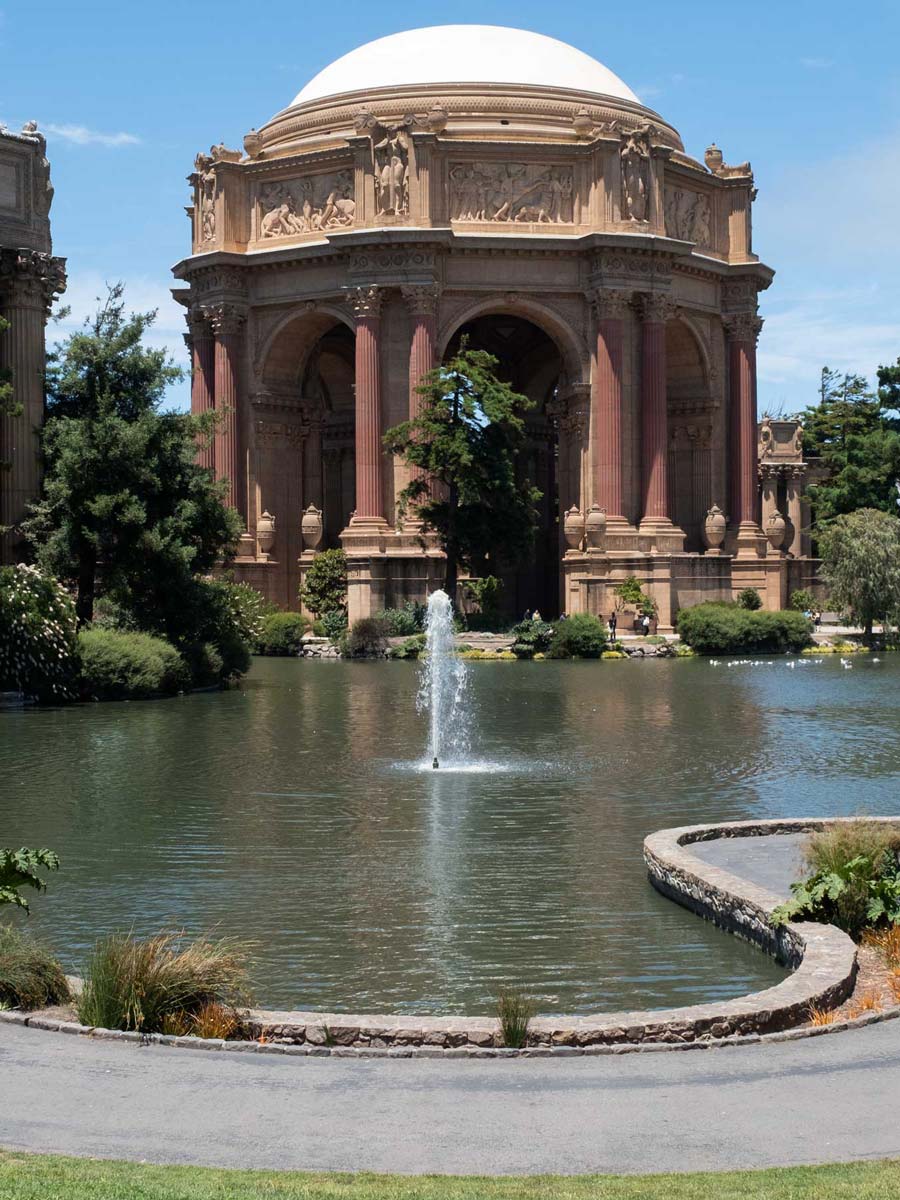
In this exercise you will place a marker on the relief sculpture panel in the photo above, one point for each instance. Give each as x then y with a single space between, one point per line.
511 192
687 216
316 202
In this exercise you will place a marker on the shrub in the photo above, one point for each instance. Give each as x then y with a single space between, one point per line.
37 635
325 585
514 1012
750 599
411 648
30 976
404 622
630 592
854 880
721 629
129 666
19 868
137 984
206 664
802 600
531 637
282 633
212 614
367 639
333 624
580 636
249 610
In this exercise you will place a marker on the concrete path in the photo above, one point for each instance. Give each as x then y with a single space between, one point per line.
817 1100
821 1099
772 862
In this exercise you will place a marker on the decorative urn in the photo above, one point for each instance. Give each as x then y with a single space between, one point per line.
583 122
311 528
595 527
775 530
437 118
265 534
714 158
714 529
573 528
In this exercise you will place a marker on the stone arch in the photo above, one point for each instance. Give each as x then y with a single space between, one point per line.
691 428
286 346
572 349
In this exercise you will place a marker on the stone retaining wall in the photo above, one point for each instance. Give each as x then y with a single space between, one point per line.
823 958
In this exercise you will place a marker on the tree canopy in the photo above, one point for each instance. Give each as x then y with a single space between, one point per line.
125 508
464 444
855 432
861 565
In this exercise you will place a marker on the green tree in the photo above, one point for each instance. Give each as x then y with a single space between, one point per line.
325 586
856 435
861 565
466 438
126 509
19 868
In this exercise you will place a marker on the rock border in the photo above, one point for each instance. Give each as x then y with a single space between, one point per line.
823 959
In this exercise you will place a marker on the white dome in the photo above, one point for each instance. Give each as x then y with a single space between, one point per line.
465 54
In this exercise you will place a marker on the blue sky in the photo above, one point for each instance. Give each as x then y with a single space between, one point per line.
808 91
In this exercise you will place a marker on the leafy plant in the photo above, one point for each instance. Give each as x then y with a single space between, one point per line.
411 648
30 976
404 622
486 594
324 587
514 1011
37 634
139 984
366 639
129 666
630 593
282 633
334 624
855 880
802 600
750 599
725 629
19 868
579 636
531 637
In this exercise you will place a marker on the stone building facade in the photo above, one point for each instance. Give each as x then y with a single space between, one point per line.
558 223
30 278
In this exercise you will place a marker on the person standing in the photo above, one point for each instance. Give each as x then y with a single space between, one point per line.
613 622
645 624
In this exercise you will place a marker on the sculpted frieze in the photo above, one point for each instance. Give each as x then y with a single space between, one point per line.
511 192
281 433
315 202
688 216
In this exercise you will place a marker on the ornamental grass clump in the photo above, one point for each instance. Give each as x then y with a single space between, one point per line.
30 976
145 984
854 879
514 1011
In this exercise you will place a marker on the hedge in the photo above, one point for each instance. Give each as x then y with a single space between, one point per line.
726 629
129 666
282 634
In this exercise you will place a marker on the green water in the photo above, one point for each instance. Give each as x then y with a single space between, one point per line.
290 811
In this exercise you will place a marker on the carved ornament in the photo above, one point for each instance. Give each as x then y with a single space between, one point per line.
657 306
366 302
634 159
390 160
688 216
743 327
32 277
392 262
421 299
307 205
225 319
611 304
280 433
511 192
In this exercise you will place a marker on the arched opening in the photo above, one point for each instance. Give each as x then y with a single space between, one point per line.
530 362
304 445
690 430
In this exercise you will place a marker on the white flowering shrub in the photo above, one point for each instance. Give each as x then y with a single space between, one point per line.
37 634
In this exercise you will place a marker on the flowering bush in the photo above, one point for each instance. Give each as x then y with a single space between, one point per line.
37 634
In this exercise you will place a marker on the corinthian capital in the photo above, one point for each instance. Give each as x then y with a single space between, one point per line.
657 306
32 278
743 327
611 304
225 319
421 299
366 302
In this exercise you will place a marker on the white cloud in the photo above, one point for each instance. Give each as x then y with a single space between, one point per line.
142 293
816 64
80 135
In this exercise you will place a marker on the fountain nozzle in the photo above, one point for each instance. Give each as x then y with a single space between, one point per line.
434 763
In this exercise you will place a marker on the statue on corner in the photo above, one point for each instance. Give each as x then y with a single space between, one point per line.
392 171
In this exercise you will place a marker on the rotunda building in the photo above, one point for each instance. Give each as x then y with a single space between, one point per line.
498 184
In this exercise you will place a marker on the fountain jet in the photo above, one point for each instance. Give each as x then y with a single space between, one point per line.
443 686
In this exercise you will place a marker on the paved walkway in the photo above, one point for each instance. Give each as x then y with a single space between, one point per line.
817 1100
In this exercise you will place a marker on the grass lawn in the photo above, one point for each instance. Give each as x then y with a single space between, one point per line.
36 1177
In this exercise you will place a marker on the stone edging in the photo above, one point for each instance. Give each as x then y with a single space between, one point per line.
823 957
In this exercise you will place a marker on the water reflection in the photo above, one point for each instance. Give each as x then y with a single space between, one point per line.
288 811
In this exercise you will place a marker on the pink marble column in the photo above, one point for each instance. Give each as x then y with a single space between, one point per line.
743 332
203 359
611 308
654 416
369 453
227 323
422 303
